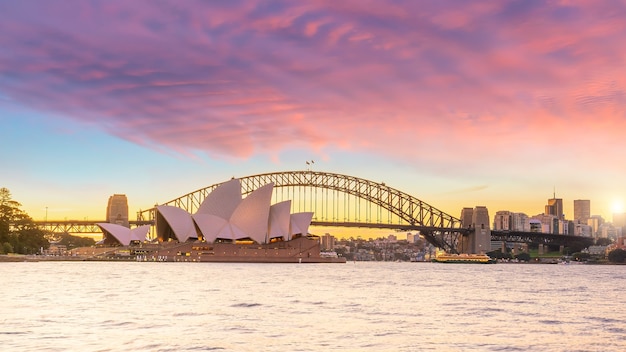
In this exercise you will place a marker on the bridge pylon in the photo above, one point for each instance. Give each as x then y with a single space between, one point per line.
478 239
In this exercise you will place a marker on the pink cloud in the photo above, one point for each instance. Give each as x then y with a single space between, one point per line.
423 81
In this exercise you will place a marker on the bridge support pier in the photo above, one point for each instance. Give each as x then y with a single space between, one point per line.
479 240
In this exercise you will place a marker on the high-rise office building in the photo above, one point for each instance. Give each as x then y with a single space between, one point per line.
582 211
519 222
555 208
502 221
117 210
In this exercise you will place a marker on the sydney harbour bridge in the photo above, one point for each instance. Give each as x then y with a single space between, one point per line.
338 200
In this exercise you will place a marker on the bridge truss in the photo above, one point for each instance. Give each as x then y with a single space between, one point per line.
343 201
575 243
77 226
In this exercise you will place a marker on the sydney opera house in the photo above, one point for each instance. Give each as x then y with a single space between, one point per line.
225 227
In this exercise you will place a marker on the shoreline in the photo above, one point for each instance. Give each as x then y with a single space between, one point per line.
18 258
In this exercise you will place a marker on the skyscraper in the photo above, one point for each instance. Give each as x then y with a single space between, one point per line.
555 208
582 211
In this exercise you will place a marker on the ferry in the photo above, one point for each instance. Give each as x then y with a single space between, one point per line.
464 258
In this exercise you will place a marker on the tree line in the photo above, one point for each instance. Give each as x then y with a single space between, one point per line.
19 233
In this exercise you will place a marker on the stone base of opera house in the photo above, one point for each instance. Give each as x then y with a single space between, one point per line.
299 250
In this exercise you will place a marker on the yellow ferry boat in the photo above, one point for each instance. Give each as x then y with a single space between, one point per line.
464 258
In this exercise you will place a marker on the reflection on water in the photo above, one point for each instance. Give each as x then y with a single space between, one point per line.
107 306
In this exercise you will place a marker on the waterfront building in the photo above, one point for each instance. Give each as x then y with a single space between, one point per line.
117 210
55 249
597 250
582 210
225 216
327 242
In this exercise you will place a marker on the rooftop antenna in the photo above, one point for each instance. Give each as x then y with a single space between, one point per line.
554 194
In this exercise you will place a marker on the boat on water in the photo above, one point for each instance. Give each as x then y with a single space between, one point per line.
464 258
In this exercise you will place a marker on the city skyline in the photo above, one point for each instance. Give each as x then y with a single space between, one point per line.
498 104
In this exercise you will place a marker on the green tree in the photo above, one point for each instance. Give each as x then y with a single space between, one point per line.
497 254
603 241
71 241
617 256
525 257
7 210
17 228
6 248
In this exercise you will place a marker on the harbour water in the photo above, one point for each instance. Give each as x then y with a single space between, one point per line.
362 306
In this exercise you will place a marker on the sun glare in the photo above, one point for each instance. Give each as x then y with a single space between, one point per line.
617 207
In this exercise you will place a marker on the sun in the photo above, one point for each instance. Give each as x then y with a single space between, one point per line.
617 207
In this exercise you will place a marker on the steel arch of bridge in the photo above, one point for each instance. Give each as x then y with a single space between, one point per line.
440 229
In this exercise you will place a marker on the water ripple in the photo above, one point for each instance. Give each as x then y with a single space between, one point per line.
245 305
358 306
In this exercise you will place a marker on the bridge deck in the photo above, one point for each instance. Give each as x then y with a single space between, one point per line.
432 234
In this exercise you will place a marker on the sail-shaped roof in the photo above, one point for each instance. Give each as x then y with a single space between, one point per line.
252 215
225 214
279 220
139 233
211 226
300 223
123 234
178 220
223 200
120 233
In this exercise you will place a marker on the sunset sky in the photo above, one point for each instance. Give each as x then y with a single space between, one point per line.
458 103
